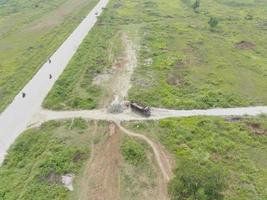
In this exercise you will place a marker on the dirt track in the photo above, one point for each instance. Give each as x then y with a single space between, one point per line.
101 176
157 114
162 160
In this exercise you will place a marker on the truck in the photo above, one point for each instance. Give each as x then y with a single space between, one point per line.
144 110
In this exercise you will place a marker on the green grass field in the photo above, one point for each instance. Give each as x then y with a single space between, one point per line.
192 65
182 61
235 149
40 156
30 31
38 159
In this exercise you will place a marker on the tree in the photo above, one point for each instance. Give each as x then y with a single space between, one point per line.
195 180
213 22
196 5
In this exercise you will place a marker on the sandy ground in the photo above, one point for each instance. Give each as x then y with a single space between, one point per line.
101 177
118 81
15 118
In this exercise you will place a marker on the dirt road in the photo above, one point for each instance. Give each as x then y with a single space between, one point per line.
163 163
156 114
14 119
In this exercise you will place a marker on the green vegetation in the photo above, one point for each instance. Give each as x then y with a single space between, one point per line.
139 171
213 22
39 157
73 89
231 150
183 63
30 31
133 152
195 180
97 54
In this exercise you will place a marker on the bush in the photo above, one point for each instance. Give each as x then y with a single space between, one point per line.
195 180
133 152
213 22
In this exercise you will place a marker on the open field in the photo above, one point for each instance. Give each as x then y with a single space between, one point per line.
187 64
30 31
182 61
40 157
234 148
105 164
229 151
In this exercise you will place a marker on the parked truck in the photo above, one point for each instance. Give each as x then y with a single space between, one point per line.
146 111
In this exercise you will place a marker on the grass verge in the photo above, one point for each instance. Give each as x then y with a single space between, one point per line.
30 31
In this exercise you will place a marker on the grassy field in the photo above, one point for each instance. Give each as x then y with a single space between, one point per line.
38 159
30 31
183 61
209 150
96 55
139 172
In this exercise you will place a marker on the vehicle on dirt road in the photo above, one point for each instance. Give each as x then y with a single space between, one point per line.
146 111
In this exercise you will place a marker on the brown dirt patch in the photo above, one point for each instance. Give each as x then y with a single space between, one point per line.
174 80
102 174
118 82
245 45
52 178
193 57
56 16
257 129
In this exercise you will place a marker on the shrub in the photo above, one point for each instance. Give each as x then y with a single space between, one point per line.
133 152
195 180
213 22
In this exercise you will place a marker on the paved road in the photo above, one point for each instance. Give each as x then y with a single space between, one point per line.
14 120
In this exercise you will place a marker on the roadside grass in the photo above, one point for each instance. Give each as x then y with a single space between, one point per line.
39 157
138 177
96 55
30 31
74 88
183 63
236 147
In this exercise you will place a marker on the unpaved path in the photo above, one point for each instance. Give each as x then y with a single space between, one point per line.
14 119
101 178
161 158
118 82
156 114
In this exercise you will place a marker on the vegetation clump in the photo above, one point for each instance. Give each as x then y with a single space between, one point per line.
213 22
194 180
133 152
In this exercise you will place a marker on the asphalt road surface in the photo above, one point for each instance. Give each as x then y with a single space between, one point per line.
14 119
